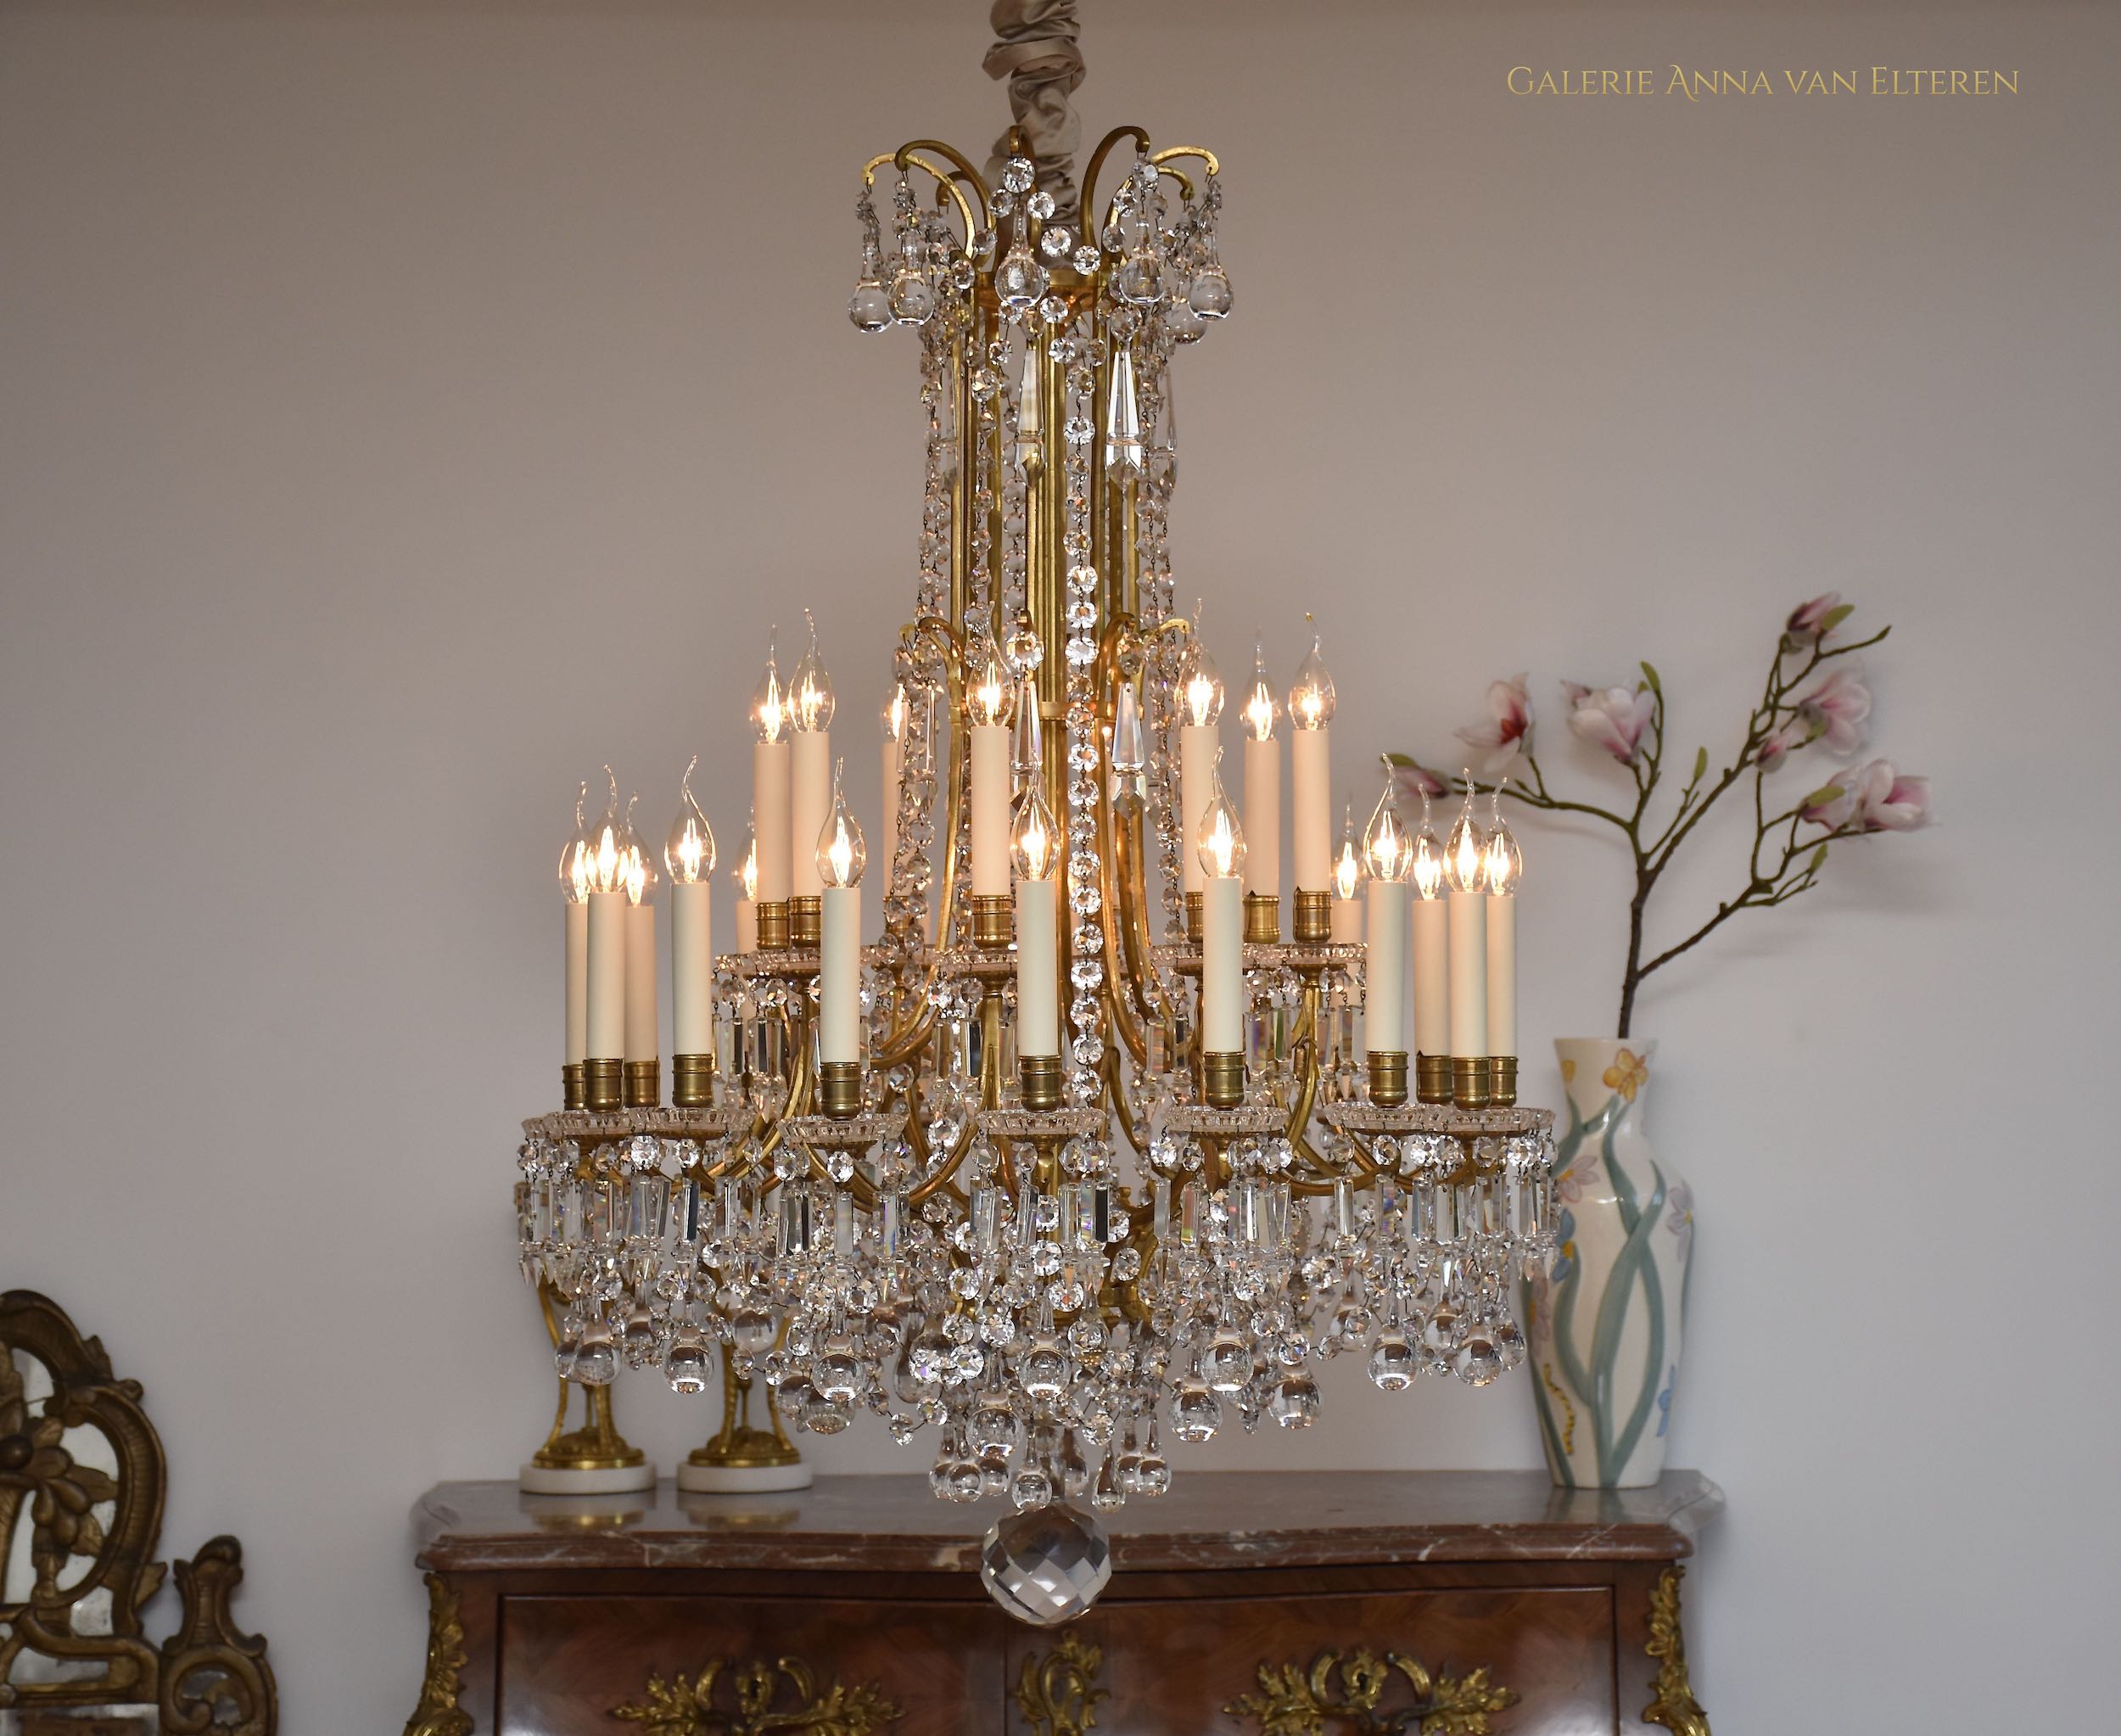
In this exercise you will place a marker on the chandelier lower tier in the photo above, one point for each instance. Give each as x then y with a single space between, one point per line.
1080 1156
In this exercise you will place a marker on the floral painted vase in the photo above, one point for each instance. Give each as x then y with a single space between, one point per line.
1605 1319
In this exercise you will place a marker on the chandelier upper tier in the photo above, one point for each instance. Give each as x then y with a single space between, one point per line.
1078 1155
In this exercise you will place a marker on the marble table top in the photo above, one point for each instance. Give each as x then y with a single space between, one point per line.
1209 1520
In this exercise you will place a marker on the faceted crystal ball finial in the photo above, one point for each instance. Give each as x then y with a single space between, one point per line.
1047 1565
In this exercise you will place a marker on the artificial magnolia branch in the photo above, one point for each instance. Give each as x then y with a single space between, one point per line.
1814 693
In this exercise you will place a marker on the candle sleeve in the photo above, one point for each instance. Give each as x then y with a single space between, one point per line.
990 810
1384 968
691 968
1469 973
640 983
770 820
1222 965
1262 817
1431 925
1501 974
840 974
1310 818
810 804
1038 971
577 982
604 1034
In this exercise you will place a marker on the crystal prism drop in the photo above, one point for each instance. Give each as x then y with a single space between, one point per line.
1046 1565
1122 417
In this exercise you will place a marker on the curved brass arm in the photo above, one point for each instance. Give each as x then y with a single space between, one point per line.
904 158
1201 152
1097 160
946 183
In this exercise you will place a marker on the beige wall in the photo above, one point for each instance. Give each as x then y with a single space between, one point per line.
403 409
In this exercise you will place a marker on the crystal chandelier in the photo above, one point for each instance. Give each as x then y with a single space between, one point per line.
1079 1156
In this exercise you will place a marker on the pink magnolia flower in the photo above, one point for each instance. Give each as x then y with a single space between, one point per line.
1808 621
1792 735
1508 732
1890 802
1875 797
1614 719
1416 781
1836 706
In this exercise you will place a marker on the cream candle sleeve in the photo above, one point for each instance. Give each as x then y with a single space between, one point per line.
1223 965
990 810
770 819
809 805
1310 815
640 983
1501 973
604 1034
1469 973
1430 921
746 925
840 974
577 982
1385 967
1262 816
1037 967
1196 775
691 968
1348 919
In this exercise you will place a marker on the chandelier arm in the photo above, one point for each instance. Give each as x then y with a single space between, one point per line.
1305 1038
946 183
1171 152
1097 156
904 158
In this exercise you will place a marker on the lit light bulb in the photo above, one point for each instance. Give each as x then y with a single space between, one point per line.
1503 865
1465 851
1199 684
1387 851
894 712
842 852
1427 869
1033 840
1347 866
607 859
1221 839
1312 700
636 872
989 700
577 859
810 702
747 870
1261 708
770 701
689 852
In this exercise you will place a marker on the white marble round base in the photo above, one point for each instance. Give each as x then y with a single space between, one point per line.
622 1480
741 1479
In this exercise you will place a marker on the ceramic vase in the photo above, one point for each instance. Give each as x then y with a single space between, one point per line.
1605 1321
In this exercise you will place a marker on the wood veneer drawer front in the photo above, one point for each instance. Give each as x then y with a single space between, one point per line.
1170 1668
568 1664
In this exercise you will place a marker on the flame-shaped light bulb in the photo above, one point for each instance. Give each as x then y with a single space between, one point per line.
1504 865
637 871
1387 850
578 859
1221 839
895 710
842 852
810 701
770 701
1347 866
1311 699
991 692
1200 683
747 870
1262 707
689 851
608 858
1428 864
1033 842
1465 851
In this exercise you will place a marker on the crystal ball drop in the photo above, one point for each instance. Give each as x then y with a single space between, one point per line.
1047 1565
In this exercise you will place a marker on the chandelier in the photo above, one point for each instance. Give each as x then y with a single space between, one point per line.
1078 1156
